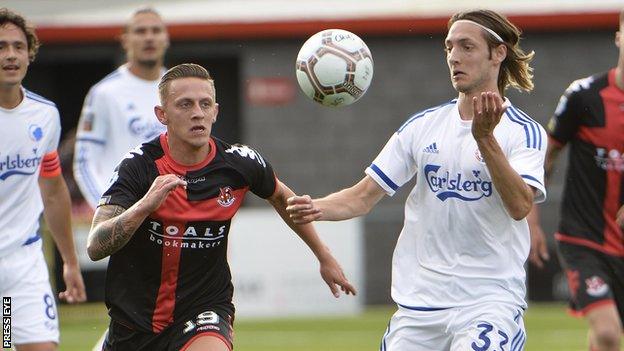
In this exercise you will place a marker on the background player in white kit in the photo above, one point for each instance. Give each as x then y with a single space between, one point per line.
30 182
457 271
118 112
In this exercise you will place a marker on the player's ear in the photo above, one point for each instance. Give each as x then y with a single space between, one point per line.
123 40
160 114
214 118
167 40
618 34
499 53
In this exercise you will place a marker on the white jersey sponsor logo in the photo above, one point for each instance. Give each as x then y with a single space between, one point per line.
141 128
459 186
18 165
191 237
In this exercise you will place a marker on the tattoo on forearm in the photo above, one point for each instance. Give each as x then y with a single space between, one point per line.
112 229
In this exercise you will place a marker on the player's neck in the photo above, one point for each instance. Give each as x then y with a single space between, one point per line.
464 105
10 96
145 72
186 154
464 100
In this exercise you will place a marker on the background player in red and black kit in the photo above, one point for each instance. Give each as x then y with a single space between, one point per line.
590 117
165 221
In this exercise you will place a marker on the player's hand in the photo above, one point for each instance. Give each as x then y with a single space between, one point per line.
301 209
160 189
619 219
334 277
75 289
539 247
488 110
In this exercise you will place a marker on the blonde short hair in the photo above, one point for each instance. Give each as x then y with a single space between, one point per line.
185 70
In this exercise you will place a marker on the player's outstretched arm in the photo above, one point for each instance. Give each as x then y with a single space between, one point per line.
348 203
331 272
57 213
517 195
113 226
539 248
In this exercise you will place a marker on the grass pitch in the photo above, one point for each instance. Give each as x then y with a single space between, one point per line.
549 328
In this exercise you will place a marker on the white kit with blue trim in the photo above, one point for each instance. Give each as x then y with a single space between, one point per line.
118 115
29 131
458 246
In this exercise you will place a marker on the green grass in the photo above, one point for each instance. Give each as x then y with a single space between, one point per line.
549 328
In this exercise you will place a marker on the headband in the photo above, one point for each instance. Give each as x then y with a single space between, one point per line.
494 34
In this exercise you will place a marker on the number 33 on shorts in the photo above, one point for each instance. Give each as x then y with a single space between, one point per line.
484 336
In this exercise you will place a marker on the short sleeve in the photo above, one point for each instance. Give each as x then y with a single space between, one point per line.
255 169
395 165
128 184
566 120
54 140
94 118
527 159
264 181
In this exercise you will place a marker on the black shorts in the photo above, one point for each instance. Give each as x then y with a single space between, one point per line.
594 278
176 337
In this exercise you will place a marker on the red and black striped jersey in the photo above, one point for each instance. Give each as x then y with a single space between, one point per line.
176 261
590 117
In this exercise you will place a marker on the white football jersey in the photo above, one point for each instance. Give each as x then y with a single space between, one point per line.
117 115
458 245
29 132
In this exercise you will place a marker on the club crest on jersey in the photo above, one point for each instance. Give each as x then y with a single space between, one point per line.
87 121
226 198
596 286
35 132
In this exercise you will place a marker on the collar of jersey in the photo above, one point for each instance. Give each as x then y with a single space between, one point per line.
182 169
19 106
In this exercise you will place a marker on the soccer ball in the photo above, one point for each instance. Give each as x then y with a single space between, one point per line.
334 67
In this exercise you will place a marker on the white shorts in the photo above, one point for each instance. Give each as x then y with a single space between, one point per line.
24 278
482 327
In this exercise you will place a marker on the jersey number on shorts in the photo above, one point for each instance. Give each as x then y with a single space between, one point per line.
485 339
203 318
49 303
